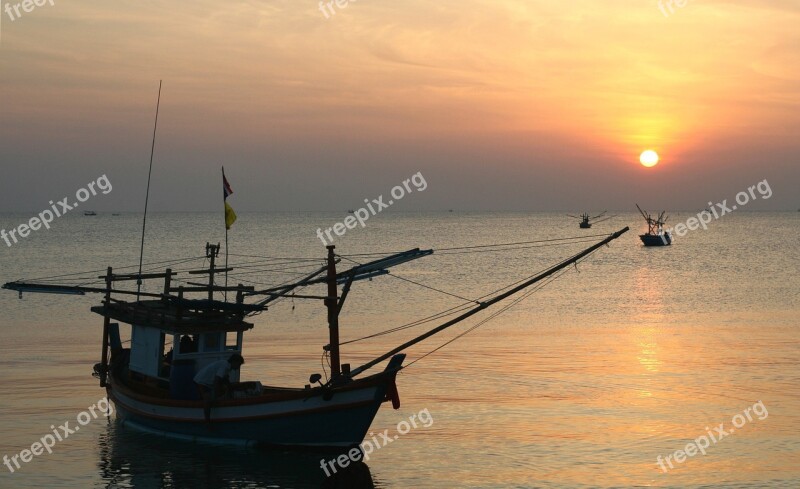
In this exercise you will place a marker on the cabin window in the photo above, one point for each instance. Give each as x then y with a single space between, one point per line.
146 347
187 344
232 341
212 341
166 353
166 346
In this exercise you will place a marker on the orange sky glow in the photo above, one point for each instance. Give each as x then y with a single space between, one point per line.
539 90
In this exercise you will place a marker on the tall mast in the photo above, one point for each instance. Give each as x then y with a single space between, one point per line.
333 314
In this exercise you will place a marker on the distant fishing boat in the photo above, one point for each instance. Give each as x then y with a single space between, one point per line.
89 213
656 235
586 221
173 336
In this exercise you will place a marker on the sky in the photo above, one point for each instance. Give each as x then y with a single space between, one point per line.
527 105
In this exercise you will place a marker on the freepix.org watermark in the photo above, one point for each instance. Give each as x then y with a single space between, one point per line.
715 211
62 207
328 6
665 5
15 10
361 215
703 442
367 447
48 441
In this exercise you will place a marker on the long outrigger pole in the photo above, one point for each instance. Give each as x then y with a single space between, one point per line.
490 302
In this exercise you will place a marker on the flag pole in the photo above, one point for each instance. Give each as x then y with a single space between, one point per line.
225 222
229 220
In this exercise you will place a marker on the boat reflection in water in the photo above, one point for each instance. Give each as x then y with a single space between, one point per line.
130 458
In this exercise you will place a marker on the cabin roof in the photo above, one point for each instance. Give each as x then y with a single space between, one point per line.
176 318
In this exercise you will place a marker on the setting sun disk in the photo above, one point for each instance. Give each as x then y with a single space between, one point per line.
649 158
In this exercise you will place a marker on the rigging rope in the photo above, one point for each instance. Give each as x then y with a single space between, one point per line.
515 248
443 314
103 270
455 309
292 264
432 288
493 315
271 261
569 240
582 238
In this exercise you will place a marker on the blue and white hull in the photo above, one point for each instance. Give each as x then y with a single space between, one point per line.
661 239
335 417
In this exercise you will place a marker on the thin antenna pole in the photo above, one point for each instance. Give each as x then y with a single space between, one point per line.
147 195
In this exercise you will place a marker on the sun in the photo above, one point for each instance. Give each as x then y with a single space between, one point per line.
649 158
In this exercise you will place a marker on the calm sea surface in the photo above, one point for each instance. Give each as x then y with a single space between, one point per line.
629 357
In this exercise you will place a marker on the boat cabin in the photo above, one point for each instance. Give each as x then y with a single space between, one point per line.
155 350
170 341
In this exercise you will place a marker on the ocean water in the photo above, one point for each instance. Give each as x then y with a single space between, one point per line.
626 358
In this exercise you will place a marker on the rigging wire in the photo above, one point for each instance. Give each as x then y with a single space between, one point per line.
440 315
322 362
497 250
102 270
277 258
569 240
261 282
282 270
448 312
432 288
267 260
252 264
524 242
493 315
251 267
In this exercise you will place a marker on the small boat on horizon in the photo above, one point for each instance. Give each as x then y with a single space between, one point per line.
89 213
586 221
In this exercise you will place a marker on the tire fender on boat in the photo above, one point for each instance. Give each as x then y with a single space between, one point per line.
393 395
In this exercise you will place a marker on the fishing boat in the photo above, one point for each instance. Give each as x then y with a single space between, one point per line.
656 235
89 213
178 328
585 221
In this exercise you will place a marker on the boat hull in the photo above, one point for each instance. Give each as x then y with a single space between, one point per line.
338 417
656 239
